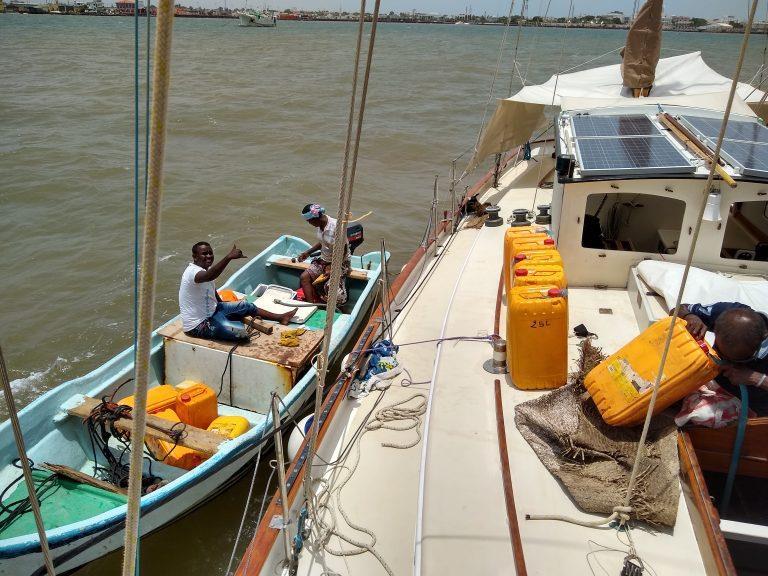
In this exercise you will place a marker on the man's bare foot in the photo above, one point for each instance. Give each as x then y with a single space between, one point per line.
286 318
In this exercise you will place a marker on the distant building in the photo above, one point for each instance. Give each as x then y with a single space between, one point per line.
615 15
125 7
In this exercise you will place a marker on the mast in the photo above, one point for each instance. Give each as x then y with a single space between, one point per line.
641 53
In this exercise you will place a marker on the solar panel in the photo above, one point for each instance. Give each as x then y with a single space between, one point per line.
629 155
746 130
750 157
588 126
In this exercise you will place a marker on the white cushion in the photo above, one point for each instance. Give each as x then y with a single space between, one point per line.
702 286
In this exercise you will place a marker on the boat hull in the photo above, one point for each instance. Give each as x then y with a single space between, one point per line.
77 544
260 21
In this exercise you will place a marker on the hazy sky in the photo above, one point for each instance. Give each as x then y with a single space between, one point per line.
700 8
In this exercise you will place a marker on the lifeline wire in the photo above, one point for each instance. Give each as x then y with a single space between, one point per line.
148 277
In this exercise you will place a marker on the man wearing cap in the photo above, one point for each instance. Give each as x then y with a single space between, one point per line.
314 280
741 342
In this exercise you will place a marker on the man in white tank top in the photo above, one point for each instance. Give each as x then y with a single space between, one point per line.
314 280
203 314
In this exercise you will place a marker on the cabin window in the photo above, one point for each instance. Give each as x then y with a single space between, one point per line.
633 223
746 232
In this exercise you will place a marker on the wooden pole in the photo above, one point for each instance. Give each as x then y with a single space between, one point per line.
25 467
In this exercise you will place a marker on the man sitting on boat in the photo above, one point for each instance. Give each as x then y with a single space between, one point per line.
314 280
203 314
741 341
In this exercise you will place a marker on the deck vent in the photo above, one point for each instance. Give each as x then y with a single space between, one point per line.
497 364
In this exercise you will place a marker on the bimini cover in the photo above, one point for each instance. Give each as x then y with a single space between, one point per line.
517 117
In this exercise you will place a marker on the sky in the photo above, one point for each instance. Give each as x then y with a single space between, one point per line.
695 8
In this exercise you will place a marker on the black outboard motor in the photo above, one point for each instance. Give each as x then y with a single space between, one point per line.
355 236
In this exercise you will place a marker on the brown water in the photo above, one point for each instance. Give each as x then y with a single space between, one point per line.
257 119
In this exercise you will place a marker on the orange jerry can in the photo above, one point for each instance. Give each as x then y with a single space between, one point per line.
539 257
537 337
516 233
533 274
525 245
621 385
196 404
171 453
158 398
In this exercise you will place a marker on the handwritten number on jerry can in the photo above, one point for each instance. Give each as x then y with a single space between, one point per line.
539 323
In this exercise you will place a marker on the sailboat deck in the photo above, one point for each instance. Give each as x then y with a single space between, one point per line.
462 523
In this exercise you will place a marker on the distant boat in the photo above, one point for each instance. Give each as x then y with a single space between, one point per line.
258 19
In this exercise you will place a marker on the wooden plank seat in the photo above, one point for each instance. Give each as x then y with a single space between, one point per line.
354 274
265 347
195 438
714 448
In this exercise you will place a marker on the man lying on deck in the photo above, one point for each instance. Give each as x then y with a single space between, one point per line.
314 280
203 314
741 341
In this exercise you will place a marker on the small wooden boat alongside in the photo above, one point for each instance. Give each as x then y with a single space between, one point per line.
77 454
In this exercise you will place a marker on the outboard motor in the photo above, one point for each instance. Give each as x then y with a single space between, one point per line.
355 236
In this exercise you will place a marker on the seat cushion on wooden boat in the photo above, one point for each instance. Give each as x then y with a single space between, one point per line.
62 501
702 286
261 347
594 460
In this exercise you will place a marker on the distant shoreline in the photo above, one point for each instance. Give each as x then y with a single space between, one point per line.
384 20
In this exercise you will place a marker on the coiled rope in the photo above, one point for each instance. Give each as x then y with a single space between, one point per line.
161 82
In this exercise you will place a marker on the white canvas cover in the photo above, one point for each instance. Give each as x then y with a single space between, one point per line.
681 76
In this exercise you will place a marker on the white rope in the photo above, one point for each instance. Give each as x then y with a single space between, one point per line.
245 509
25 467
161 82
385 418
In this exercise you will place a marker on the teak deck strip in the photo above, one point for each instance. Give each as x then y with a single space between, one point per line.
195 438
262 347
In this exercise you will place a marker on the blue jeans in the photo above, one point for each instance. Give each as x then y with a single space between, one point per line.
226 322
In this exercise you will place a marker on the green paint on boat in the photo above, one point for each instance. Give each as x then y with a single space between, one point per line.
317 320
62 501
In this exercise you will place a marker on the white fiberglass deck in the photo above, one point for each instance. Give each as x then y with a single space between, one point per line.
461 516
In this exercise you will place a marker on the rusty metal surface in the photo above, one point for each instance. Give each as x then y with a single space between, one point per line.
262 347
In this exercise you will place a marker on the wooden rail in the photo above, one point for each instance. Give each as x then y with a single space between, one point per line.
194 438
288 263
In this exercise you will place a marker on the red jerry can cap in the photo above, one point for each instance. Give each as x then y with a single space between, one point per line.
520 257
549 241
186 397
521 272
555 292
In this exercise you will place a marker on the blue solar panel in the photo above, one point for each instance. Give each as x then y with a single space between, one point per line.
588 126
746 130
630 155
751 158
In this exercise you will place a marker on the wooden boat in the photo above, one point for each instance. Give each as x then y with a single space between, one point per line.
458 500
85 519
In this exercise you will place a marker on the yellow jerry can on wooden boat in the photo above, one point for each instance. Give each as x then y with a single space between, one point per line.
539 257
158 398
171 453
622 384
532 274
537 337
230 426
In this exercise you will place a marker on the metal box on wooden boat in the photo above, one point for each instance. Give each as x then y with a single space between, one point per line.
537 337
621 385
